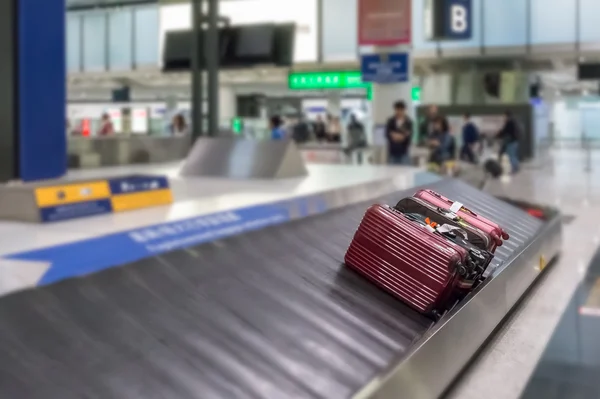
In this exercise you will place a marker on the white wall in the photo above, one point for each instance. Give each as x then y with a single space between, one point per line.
227 103
303 13
437 89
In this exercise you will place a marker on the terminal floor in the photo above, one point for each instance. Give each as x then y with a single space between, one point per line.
505 366
193 197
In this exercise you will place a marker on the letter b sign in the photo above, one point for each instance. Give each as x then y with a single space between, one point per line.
458 19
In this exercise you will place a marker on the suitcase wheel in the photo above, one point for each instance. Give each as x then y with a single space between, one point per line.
505 235
462 271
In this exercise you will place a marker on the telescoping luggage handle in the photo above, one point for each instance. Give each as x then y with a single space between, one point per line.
457 206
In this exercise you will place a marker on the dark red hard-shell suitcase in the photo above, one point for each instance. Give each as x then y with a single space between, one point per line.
495 231
423 269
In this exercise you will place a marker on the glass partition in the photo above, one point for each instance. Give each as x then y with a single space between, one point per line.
120 29
504 23
94 41
147 26
73 42
553 21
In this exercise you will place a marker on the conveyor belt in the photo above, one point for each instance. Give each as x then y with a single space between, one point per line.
270 314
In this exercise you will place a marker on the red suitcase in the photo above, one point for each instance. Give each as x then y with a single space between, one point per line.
425 270
478 221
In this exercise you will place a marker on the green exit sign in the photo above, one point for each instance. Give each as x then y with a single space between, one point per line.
237 125
326 80
416 93
335 80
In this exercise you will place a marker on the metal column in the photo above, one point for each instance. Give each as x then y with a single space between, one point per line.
196 70
212 66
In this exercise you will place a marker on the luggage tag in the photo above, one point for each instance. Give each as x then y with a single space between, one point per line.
456 206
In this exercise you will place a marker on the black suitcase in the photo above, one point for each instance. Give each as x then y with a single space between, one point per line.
493 168
438 216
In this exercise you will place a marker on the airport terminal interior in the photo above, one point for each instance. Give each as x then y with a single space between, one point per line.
300 199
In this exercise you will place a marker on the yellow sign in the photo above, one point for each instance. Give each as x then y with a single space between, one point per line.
71 193
128 202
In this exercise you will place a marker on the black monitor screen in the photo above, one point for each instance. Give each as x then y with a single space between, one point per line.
589 72
177 50
255 41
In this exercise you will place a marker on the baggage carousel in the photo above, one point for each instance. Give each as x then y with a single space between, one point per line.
267 314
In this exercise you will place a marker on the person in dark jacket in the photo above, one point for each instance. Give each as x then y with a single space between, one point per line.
320 129
440 142
509 141
470 137
427 125
398 132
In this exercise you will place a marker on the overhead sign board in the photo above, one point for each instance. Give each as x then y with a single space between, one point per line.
448 19
385 68
325 80
335 81
384 22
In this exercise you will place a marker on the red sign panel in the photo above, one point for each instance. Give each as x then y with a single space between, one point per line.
384 22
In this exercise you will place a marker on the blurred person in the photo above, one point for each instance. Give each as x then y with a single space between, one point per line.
398 132
440 142
356 136
334 130
320 129
509 141
106 126
470 138
302 130
179 126
276 126
427 125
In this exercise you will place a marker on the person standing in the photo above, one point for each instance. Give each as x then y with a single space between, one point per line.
509 141
106 126
426 127
277 130
320 129
398 132
334 130
440 142
179 126
470 138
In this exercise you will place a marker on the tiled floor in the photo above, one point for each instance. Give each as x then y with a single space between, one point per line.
504 367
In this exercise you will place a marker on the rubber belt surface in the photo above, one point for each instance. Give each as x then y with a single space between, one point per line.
270 314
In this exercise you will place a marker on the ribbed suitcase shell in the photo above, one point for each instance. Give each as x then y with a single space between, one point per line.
495 231
405 259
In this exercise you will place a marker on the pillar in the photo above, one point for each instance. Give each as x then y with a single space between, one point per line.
197 106
334 103
212 55
385 95
227 103
32 90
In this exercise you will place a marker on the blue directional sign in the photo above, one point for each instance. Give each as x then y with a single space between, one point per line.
459 19
385 68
